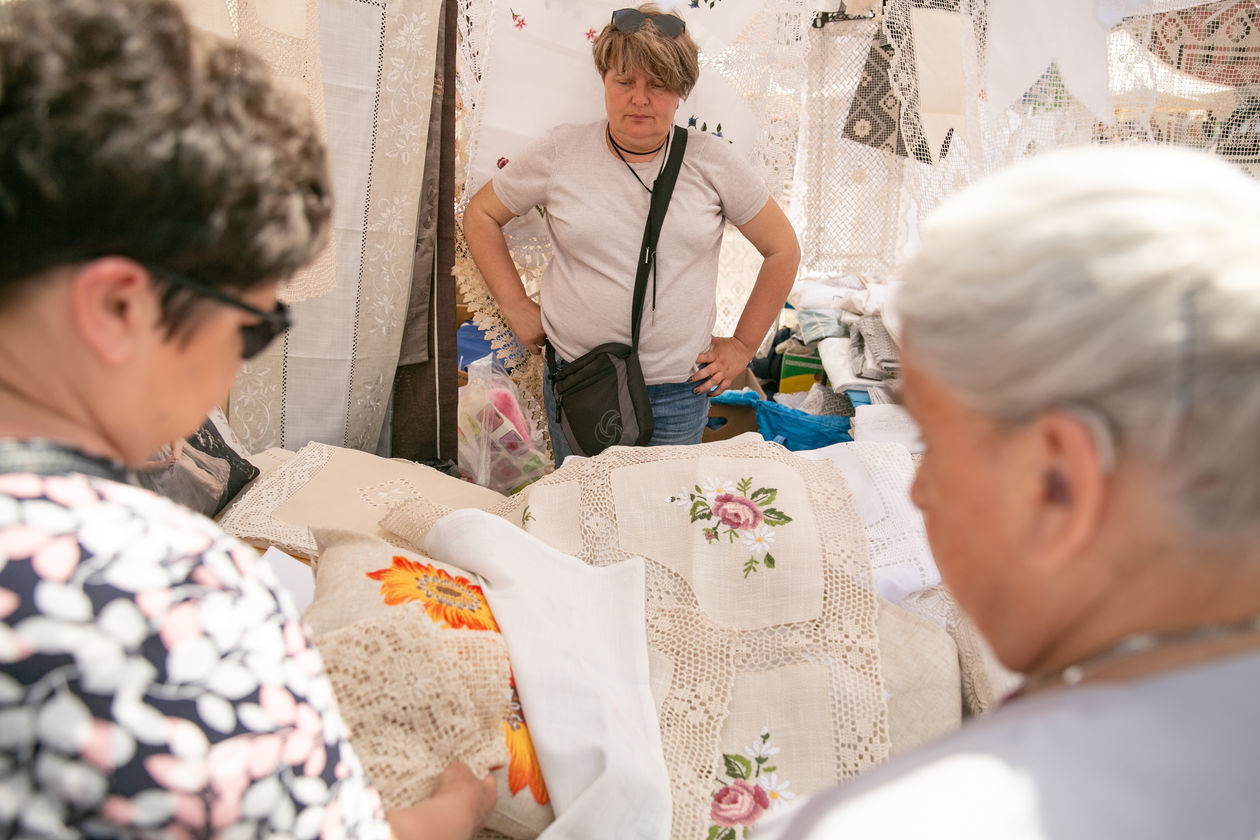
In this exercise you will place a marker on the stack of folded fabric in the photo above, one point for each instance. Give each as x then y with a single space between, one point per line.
869 358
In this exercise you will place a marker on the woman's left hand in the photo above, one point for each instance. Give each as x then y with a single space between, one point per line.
720 364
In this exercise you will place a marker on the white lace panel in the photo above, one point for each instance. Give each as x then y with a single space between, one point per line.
985 681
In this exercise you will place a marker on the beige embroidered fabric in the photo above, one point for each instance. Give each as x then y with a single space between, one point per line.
985 681
761 615
921 677
419 684
329 378
330 486
414 696
269 460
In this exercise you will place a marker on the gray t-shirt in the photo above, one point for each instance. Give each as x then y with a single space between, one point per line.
596 211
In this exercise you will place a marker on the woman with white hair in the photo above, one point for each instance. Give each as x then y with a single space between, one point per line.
1082 353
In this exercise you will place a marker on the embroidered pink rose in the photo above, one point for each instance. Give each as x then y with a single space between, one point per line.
739 803
737 512
501 162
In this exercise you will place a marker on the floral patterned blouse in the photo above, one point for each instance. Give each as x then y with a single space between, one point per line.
152 681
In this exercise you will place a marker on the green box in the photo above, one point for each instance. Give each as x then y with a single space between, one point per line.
800 372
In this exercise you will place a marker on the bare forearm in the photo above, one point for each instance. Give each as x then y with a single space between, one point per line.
765 302
490 252
771 234
483 229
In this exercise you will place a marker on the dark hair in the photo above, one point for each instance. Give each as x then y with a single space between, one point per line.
124 132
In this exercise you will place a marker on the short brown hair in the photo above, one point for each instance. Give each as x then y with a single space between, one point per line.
674 61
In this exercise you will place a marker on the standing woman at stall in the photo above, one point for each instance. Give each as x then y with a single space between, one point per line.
595 181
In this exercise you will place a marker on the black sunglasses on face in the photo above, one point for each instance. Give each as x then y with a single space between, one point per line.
629 21
254 337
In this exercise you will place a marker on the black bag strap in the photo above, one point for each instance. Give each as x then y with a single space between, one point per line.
661 192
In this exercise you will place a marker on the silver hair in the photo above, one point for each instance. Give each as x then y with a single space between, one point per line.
1118 282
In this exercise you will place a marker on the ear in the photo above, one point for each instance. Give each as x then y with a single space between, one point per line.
114 308
1068 489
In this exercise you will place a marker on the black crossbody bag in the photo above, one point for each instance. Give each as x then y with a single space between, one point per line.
601 398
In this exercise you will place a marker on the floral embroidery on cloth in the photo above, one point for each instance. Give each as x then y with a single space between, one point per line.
695 121
457 603
454 602
523 769
749 787
740 514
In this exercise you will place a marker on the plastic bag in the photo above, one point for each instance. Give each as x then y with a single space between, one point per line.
499 447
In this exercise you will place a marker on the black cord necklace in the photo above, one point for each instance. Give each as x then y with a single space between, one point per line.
619 149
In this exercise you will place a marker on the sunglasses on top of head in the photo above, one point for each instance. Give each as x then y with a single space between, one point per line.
629 21
254 337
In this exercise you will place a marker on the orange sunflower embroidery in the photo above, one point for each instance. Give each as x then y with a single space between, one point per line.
523 769
453 601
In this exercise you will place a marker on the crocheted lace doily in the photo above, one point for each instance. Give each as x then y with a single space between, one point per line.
580 509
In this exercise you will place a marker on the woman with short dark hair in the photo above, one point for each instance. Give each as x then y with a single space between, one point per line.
155 188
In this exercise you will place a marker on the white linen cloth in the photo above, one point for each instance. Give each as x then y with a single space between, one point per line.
887 423
576 639
294 575
817 291
880 475
837 361
1026 36
942 44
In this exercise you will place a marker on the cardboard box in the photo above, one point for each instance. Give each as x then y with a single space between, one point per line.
734 419
799 372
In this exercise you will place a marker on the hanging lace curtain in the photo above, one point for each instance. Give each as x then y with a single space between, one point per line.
903 113
286 34
367 70
526 66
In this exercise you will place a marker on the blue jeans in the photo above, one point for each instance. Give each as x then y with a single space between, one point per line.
678 415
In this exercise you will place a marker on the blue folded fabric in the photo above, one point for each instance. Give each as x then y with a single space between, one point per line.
744 396
857 396
798 430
